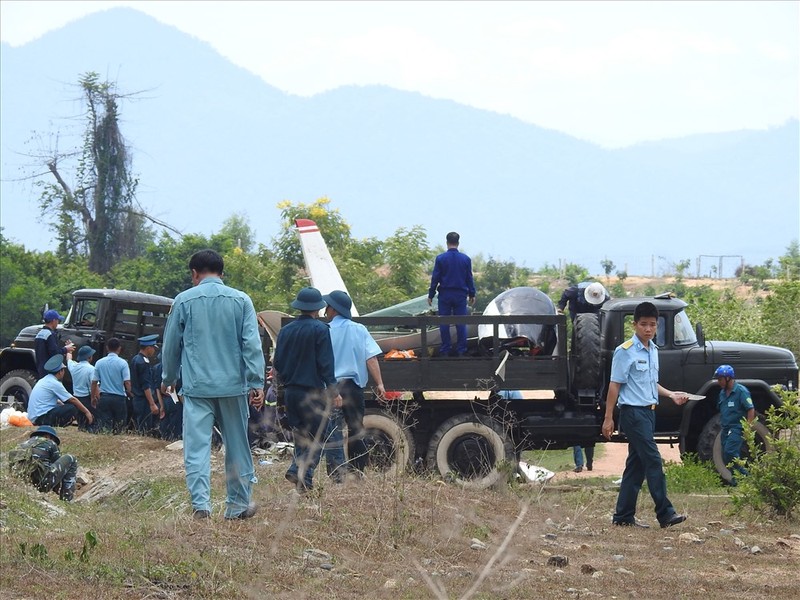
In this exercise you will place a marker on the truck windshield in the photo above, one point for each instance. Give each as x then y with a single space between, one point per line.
684 332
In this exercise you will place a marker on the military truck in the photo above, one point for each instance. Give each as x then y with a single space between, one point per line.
96 316
452 416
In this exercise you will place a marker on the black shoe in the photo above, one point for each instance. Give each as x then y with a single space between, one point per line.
577 469
290 476
633 523
251 510
675 519
588 466
201 514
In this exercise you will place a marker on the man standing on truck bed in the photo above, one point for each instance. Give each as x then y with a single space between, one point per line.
452 278
211 339
46 342
634 383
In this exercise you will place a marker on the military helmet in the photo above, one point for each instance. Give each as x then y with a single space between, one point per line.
724 371
47 430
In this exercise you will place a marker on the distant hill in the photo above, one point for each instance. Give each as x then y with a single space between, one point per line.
210 139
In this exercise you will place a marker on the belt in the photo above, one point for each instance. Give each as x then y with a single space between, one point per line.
648 407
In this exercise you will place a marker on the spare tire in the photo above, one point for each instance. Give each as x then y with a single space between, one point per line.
586 352
762 439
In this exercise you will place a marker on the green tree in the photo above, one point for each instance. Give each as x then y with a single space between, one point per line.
496 277
575 273
790 262
408 254
608 266
235 233
781 316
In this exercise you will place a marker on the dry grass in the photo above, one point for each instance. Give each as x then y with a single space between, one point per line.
398 538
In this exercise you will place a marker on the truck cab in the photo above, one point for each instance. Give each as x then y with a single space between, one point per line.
96 316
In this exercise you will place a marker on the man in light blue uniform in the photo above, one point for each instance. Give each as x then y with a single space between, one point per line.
211 339
111 386
355 355
634 382
82 372
46 405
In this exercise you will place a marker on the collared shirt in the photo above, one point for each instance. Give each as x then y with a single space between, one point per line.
45 396
304 354
211 338
46 345
635 368
141 375
734 407
81 373
452 272
352 347
112 372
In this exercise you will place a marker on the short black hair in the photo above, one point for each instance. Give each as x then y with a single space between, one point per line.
207 261
113 344
452 238
645 309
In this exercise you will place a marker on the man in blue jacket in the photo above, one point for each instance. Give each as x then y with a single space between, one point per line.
452 279
211 339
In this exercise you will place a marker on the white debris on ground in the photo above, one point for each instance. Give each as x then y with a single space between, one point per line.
535 473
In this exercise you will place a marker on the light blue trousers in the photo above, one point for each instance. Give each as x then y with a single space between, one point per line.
230 414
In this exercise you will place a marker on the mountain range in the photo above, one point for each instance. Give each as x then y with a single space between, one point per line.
210 139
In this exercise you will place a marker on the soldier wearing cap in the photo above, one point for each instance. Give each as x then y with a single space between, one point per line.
584 297
355 355
304 367
82 371
39 459
46 341
111 386
211 341
50 403
145 408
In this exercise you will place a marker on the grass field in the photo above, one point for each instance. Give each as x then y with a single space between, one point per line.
404 537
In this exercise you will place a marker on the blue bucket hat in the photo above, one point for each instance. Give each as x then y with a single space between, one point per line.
85 352
50 315
47 430
308 298
54 364
340 302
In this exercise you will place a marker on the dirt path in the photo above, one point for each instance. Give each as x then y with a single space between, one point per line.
612 462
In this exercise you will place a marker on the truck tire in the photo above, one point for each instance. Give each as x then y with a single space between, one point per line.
391 448
709 434
586 351
17 384
467 449
762 437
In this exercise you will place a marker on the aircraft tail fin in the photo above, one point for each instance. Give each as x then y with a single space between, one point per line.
321 269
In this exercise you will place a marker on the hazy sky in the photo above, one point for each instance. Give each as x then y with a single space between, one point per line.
610 72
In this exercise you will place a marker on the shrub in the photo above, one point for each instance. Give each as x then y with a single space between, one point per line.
773 483
691 475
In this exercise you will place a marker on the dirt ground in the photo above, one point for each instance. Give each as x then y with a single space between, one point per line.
612 462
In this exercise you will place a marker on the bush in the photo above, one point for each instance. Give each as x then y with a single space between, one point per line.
691 475
773 483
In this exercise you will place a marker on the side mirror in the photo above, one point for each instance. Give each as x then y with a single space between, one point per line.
701 337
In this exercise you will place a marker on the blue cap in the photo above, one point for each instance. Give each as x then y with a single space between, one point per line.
148 340
47 430
54 364
85 352
308 298
340 302
50 315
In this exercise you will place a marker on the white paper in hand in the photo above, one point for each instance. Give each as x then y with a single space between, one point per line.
174 396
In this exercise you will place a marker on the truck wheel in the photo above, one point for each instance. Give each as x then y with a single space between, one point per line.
762 438
17 385
586 351
467 448
390 446
709 434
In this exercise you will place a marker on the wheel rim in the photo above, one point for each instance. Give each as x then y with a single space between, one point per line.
471 457
19 393
380 450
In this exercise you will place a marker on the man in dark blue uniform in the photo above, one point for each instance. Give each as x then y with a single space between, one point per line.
145 408
46 342
303 365
734 404
452 279
584 297
634 382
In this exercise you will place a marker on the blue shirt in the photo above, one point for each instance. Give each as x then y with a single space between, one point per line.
112 372
141 375
45 396
734 407
46 345
352 347
635 368
82 373
304 354
452 272
211 338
